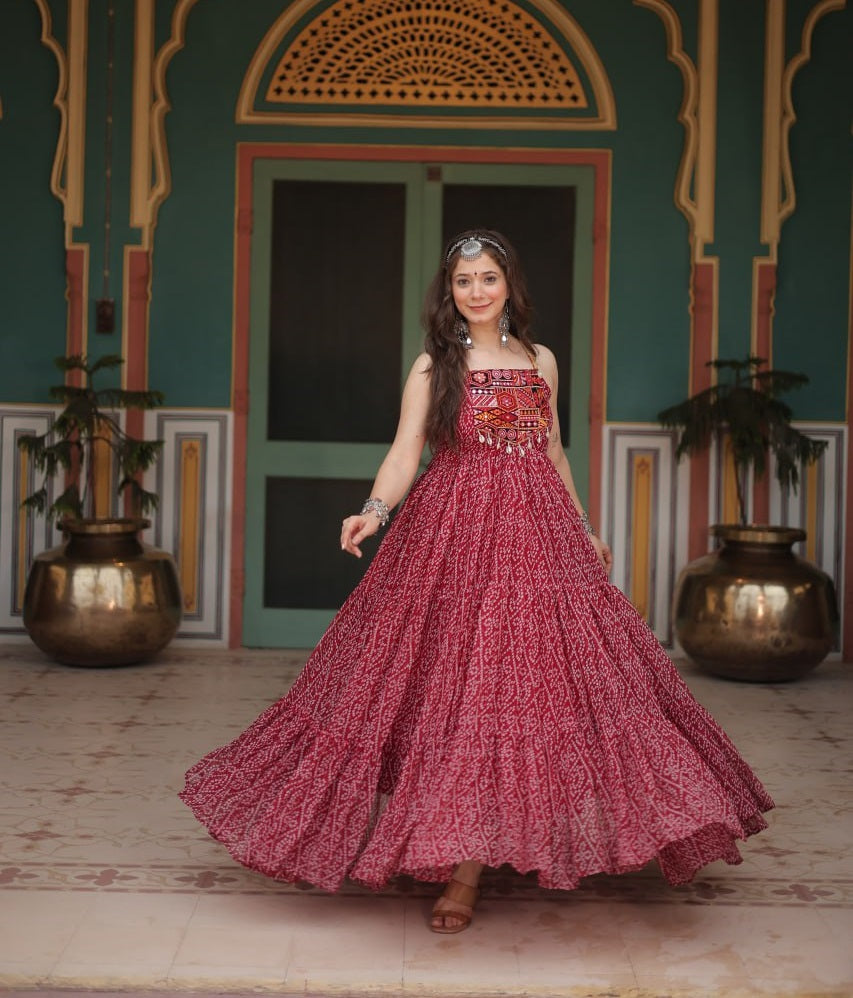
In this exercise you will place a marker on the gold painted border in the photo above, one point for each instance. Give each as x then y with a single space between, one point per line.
569 28
70 101
694 193
151 104
189 498
642 555
687 113
141 138
774 68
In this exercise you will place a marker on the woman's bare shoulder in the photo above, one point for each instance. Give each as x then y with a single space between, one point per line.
420 370
422 364
545 358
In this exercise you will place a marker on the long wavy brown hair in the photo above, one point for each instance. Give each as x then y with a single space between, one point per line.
448 367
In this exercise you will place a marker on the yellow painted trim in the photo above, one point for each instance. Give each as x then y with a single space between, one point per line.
687 116
706 152
78 43
774 63
340 120
140 158
641 533
577 39
788 198
60 100
730 511
190 463
103 485
67 171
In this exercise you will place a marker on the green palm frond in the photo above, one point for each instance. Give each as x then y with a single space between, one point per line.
89 416
745 408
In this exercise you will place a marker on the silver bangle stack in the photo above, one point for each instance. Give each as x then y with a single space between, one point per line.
378 508
587 526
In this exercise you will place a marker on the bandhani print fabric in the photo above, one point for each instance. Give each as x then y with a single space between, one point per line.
484 693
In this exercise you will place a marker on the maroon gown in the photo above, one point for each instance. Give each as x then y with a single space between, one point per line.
484 693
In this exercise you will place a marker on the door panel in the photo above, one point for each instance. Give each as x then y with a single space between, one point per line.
312 576
341 255
336 305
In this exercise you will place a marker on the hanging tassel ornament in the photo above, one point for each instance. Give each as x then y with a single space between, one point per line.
460 327
503 325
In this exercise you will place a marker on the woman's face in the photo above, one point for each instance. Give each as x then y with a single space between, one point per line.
480 290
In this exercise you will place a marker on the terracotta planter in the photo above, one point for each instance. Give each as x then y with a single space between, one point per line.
754 610
102 598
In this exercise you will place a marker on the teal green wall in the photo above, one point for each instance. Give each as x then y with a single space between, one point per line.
738 174
32 272
813 294
649 325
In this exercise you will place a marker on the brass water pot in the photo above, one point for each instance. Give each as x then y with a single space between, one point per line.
753 609
102 598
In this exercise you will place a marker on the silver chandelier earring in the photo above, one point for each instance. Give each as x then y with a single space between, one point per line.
503 325
460 327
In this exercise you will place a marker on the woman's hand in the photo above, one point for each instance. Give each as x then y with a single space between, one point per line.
357 528
603 552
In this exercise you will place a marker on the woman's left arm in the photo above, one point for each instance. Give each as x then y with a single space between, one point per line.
548 366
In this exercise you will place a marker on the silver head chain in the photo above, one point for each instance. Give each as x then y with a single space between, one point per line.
471 248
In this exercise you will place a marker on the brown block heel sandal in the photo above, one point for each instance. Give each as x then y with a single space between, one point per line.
457 902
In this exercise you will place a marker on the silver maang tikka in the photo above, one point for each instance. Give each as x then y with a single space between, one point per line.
463 334
471 248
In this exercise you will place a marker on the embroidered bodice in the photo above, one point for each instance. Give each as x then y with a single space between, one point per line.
511 409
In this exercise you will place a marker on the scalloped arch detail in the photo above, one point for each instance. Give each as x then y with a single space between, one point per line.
445 59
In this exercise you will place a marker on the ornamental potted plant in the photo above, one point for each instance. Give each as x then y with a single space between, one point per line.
102 597
751 609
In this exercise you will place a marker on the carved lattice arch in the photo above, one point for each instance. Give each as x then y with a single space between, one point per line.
448 62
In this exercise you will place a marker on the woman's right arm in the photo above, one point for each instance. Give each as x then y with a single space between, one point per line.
398 470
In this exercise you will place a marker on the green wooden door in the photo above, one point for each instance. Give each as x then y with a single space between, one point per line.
341 255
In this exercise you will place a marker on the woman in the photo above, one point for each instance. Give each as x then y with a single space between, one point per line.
485 695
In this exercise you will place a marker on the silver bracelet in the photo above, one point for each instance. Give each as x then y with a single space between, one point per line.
379 508
587 526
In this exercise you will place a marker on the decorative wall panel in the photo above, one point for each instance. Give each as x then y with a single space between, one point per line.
193 480
818 504
481 63
643 491
437 53
22 534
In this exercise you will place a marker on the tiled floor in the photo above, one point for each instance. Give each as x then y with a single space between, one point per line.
107 882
